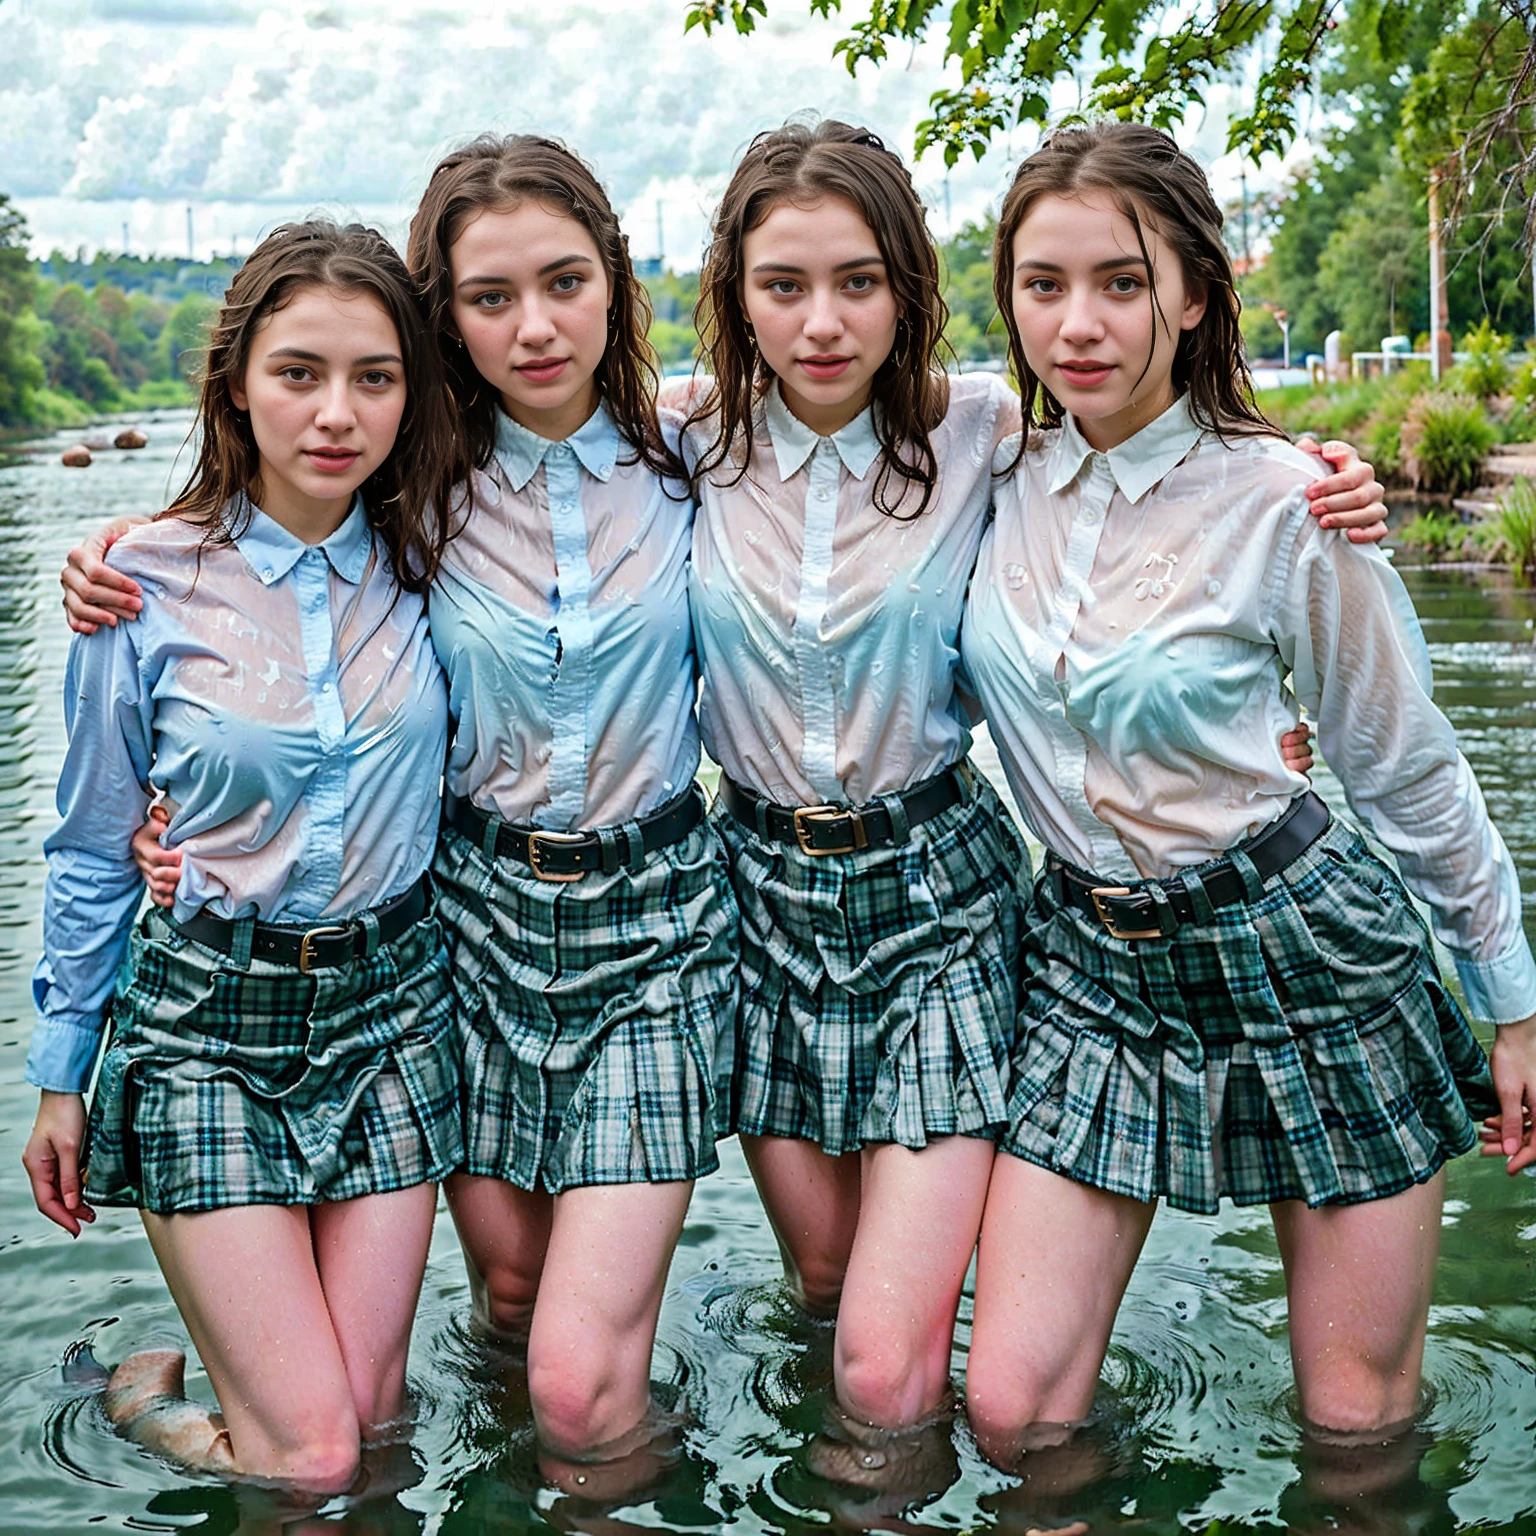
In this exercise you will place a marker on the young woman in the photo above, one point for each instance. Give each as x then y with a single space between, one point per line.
280 1092
1224 993
587 907
843 483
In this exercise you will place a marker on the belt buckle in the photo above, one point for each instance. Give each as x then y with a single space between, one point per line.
535 839
1100 893
306 943
804 815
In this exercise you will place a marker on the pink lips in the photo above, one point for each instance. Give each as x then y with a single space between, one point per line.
542 370
1084 372
826 367
331 461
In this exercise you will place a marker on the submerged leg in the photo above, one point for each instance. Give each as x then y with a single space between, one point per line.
504 1232
247 1286
812 1201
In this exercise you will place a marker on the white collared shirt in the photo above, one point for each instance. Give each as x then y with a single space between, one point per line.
827 630
1130 627
560 614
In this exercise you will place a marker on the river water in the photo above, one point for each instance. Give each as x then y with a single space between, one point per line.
1198 1429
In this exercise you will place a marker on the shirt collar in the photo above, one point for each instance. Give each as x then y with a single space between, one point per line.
520 452
794 442
1139 462
271 551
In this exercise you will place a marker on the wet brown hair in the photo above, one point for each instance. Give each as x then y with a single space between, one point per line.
802 165
1153 182
404 494
498 173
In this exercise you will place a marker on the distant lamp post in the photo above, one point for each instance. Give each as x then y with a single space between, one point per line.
1283 320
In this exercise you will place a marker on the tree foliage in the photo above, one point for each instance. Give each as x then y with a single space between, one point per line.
1152 62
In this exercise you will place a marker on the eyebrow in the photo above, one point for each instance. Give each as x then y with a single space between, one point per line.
1103 266
842 266
315 357
500 279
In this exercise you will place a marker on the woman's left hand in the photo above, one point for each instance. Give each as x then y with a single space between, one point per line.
1350 498
1510 1133
1296 748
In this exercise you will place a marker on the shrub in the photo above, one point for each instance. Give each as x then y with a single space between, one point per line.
1444 440
1486 371
1515 525
1523 385
1437 532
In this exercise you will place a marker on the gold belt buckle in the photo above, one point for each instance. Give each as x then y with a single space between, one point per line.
806 814
554 878
306 944
1099 894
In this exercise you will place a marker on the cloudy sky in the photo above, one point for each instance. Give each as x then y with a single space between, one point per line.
119 114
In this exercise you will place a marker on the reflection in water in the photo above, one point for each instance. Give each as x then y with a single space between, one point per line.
1194 1430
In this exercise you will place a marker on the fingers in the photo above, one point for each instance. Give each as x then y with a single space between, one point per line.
94 593
1372 533
42 1165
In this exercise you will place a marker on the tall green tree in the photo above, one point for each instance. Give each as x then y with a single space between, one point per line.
21 370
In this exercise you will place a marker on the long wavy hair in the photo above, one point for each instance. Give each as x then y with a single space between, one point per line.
802 164
404 496
498 173
1153 183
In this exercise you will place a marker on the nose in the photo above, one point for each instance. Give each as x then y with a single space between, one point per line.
336 410
824 317
535 326
1081 321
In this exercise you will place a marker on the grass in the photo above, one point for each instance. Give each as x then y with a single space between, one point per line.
1514 526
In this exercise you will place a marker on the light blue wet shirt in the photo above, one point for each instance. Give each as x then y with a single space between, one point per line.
560 614
1141 629
287 706
828 629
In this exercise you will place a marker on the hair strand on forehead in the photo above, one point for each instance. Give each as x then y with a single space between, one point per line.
804 165
1155 185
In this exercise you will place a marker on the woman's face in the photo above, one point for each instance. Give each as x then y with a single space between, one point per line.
530 301
325 389
819 301
1083 303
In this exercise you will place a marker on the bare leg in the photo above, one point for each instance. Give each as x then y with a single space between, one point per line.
1053 1263
918 1219
605 1271
371 1254
812 1201
1359 1279
248 1289
504 1232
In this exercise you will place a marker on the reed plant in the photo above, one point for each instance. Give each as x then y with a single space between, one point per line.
1515 526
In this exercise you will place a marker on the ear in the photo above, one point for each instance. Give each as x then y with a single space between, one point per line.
242 401
1195 301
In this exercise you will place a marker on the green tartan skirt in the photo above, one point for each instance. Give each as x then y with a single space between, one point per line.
878 988
224 1087
1300 1047
592 1014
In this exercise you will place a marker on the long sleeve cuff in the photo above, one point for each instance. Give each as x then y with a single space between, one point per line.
63 1052
1502 990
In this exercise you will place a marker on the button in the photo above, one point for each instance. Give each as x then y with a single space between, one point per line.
325 687
266 572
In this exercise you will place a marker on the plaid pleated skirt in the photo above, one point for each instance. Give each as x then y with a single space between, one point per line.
592 1014
1299 1047
263 1086
878 988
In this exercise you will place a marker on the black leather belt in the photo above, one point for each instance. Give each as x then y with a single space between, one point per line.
320 947
1157 908
565 856
823 829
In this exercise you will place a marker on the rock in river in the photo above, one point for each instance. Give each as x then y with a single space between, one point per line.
78 457
130 437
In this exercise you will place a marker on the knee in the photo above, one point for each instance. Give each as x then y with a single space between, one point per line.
1354 1397
573 1404
817 1284
325 1463
1000 1407
882 1381
503 1299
